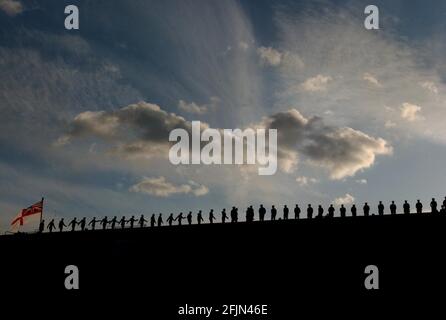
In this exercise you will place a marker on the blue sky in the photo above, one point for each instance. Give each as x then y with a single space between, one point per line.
375 99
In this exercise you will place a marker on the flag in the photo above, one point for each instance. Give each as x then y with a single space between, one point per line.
31 210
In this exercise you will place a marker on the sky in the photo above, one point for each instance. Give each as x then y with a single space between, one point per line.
86 114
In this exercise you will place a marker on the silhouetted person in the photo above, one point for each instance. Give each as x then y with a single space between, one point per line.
51 226
160 220
61 225
380 208
113 222
296 212
434 206
73 224
273 213
406 207
199 217
41 226
122 222
262 212
211 216
170 219
320 211
82 223
342 211
132 221
353 210
331 211
179 218
142 221
189 218
419 206
285 212
104 223
366 210
249 214
224 216
393 208
233 215
152 220
309 212
443 210
93 223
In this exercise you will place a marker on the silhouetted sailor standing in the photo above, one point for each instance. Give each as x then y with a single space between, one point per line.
353 210
142 221
434 206
132 221
406 207
342 211
233 215
309 212
104 223
419 206
179 218
380 208
199 217
152 220
331 211
122 222
211 216
320 211
285 212
92 223
160 220
73 224
393 208
366 210
189 218
51 226
113 222
170 219
273 213
262 212
83 223
224 216
61 225
296 212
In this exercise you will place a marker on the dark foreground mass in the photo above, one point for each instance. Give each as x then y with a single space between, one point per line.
287 265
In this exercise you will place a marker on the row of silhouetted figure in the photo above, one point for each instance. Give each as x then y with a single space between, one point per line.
158 221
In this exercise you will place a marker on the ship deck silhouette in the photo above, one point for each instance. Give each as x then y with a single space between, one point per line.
273 262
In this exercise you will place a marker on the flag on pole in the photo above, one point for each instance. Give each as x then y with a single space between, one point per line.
30 211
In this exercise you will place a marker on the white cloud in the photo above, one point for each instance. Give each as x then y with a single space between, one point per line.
371 79
243 45
11 7
389 124
160 187
317 83
361 181
269 56
343 151
345 200
410 112
304 181
192 107
430 86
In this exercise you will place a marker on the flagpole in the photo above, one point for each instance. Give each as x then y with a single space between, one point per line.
41 212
